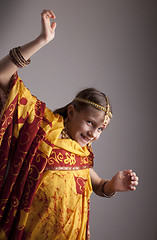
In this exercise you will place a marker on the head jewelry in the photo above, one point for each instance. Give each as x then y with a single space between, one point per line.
106 110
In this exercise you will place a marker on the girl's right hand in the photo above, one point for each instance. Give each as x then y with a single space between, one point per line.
124 181
47 29
8 68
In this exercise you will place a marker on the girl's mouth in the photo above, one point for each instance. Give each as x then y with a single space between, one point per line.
85 138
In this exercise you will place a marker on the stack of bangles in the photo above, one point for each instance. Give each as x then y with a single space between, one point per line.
104 194
17 58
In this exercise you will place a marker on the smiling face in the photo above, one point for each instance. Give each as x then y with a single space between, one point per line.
86 125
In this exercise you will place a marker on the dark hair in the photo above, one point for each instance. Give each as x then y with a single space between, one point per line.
90 94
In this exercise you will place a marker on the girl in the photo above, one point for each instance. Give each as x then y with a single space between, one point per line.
46 160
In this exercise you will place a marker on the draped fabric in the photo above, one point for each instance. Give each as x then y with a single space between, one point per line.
60 206
35 161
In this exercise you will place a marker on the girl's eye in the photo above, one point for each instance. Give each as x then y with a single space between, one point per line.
100 129
90 123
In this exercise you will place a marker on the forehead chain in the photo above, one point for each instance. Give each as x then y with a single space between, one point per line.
106 110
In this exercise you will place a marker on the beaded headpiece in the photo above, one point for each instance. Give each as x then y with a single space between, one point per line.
106 110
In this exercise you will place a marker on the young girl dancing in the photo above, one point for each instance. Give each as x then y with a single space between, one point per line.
46 175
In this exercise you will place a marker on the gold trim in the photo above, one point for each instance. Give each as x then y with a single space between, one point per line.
66 168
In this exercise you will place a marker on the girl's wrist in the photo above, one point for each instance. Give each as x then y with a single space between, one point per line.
108 188
41 41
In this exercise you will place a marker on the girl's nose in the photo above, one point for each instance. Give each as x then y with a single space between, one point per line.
92 134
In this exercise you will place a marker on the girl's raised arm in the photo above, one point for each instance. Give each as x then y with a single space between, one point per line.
8 68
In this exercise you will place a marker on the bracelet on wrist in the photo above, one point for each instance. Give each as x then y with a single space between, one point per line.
104 194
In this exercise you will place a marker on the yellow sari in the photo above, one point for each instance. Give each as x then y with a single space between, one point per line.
45 184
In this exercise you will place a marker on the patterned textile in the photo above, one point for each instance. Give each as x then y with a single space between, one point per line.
30 146
60 206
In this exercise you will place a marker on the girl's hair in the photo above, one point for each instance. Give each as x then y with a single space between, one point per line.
90 94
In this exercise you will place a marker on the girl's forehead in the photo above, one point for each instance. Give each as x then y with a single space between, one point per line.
94 113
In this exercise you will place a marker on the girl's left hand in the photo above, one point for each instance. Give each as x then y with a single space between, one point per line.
125 181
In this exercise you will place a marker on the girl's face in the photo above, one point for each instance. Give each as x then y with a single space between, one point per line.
87 125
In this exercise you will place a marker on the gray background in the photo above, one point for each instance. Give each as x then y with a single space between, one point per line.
110 45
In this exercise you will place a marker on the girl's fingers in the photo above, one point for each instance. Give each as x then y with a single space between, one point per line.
132 188
53 25
52 14
134 178
128 171
48 13
134 183
133 174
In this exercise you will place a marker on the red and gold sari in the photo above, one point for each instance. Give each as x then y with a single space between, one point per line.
45 185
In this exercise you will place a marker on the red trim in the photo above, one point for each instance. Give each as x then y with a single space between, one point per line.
61 159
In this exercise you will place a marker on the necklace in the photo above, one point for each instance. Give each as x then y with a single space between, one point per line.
65 134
